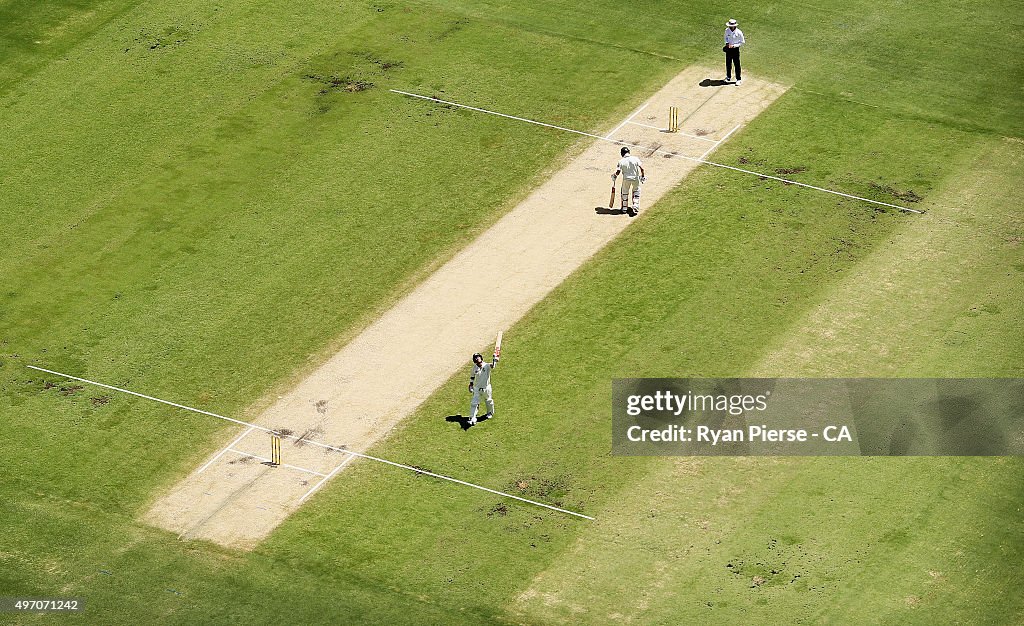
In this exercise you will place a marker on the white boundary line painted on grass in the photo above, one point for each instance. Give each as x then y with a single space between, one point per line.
627 120
838 97
315 443
657 150
266 460
326 478
221 453
708 151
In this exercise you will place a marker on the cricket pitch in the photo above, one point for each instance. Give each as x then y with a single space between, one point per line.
357 396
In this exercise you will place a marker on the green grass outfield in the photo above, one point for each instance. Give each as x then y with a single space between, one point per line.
194 205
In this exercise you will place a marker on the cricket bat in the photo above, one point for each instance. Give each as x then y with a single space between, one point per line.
611 200
497 344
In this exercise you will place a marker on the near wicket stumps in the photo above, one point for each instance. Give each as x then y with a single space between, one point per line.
275 449
673 119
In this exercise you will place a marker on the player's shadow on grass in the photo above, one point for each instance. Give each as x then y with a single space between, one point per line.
713 82
463 420
603 210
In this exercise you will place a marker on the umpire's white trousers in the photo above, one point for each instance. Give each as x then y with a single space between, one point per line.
475 404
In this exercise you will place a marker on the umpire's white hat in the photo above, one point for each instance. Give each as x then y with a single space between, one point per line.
732 23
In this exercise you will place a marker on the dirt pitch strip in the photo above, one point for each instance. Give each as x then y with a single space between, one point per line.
357 396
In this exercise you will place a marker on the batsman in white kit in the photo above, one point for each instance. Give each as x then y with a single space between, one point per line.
480 383
632 177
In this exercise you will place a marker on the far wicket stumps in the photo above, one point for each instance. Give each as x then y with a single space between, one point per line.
673 119
275 449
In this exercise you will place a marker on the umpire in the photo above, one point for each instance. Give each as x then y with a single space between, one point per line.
733 40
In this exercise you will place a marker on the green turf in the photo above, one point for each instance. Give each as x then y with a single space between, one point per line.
194 205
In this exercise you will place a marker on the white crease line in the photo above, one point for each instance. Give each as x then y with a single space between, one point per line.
657 150
837 97
326 478
219 454
645 125
266 460
315 443
708 151
627 120
678 132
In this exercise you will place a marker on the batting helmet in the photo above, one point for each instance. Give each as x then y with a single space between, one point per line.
624 151
477 354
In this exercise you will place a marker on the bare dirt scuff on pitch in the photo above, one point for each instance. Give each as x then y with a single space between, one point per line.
384 373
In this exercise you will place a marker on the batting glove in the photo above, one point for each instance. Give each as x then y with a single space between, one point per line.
643 179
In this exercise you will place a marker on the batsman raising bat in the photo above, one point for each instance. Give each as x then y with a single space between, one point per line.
632 177
480 382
